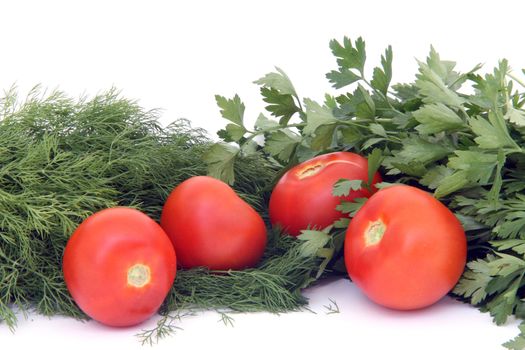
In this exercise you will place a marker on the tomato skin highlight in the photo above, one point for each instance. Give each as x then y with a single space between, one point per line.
210 226
303 196
420 256
119 265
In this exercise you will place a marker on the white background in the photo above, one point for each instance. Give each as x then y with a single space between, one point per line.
178 55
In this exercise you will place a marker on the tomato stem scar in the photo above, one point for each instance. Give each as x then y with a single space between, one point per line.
139 275
374 232
310 171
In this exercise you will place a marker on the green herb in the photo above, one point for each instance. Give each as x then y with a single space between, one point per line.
459 135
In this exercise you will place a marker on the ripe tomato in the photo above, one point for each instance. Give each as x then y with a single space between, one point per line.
404 249
119 266
209 225
303 196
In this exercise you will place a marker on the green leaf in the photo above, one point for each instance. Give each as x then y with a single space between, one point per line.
342 187
279 105
351 207
472 168
511 227
518 342
517 245
348 55
413 168
452 183
506 265
371 142
503 304
491 90
312 241
436 118
281 144
515 116
378 129
220 159
304 153
375 158
480 165
330 101
367 109
231 109
406 91
342 78
382 77
277 81
317 115
417 149
235 132
324 137
342 223
474 281
435 80
444 69
350 135
497 183
249 148
263 123
492 134
433 178
384 184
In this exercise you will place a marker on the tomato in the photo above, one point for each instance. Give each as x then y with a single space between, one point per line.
119 266
404 249
303 196
210 226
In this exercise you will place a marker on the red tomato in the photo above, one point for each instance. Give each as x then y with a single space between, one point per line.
119 266
303 196
209 225
404 249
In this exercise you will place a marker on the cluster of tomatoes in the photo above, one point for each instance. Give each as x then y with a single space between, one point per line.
403 248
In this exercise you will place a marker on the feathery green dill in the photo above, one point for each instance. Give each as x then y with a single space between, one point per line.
274 285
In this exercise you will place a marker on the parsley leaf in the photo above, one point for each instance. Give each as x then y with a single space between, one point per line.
435 118
313 240
317 115
281 144
436 81
220 159
277 81
279 105
492 133
279 93
375 158
518 343
474 281
343 187
231 109
351 207
349 56
382 77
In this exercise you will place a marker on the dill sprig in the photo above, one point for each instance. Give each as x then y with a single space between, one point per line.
273 286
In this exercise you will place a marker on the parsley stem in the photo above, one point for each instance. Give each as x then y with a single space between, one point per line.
273 128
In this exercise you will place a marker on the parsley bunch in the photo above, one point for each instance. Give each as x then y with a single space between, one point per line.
458 135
